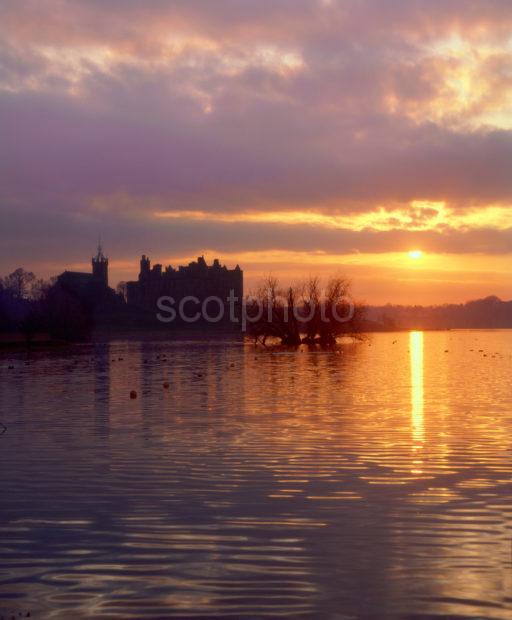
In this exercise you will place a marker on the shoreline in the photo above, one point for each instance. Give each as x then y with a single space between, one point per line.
17 344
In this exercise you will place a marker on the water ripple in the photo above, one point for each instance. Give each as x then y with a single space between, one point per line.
375 483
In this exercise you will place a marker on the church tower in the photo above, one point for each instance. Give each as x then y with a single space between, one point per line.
100 268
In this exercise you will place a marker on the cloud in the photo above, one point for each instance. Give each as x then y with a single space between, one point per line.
111 110
54 234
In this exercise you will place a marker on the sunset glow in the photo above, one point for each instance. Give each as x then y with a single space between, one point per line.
212 128
256 309
415 254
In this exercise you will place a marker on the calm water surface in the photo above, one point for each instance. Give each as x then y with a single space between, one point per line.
374 483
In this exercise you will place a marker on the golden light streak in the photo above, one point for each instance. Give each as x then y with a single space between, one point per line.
417 216
417 396
377 278
391 263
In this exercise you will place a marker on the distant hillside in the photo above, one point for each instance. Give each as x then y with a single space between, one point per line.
490 312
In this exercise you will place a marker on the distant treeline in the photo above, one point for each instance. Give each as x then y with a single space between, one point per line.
490 312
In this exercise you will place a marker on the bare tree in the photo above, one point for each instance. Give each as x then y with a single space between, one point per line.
121 289
304 313
19 283
270 313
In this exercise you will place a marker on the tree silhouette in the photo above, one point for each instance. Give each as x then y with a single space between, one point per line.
19 283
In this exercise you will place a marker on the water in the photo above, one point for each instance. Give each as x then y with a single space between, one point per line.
375 483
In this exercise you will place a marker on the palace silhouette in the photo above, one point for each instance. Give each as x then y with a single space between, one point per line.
136 305
197 279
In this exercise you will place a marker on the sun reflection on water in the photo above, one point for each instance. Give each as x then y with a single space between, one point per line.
239 476
417 397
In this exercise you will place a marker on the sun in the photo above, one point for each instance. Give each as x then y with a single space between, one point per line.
415 254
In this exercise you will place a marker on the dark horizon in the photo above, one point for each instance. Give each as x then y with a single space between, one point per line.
27 305
214 260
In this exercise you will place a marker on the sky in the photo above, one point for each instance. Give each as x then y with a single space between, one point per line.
368 138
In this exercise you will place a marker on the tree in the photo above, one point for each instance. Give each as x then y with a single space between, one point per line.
303 313
19 283
65 315
270 313
121 289
39 288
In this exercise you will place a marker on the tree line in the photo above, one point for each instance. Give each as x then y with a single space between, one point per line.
30 305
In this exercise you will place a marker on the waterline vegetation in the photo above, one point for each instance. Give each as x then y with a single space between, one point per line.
304 313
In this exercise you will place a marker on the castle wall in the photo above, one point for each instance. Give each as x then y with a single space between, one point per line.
197 279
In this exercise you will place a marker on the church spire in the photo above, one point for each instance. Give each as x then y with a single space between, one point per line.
100 256
100 266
